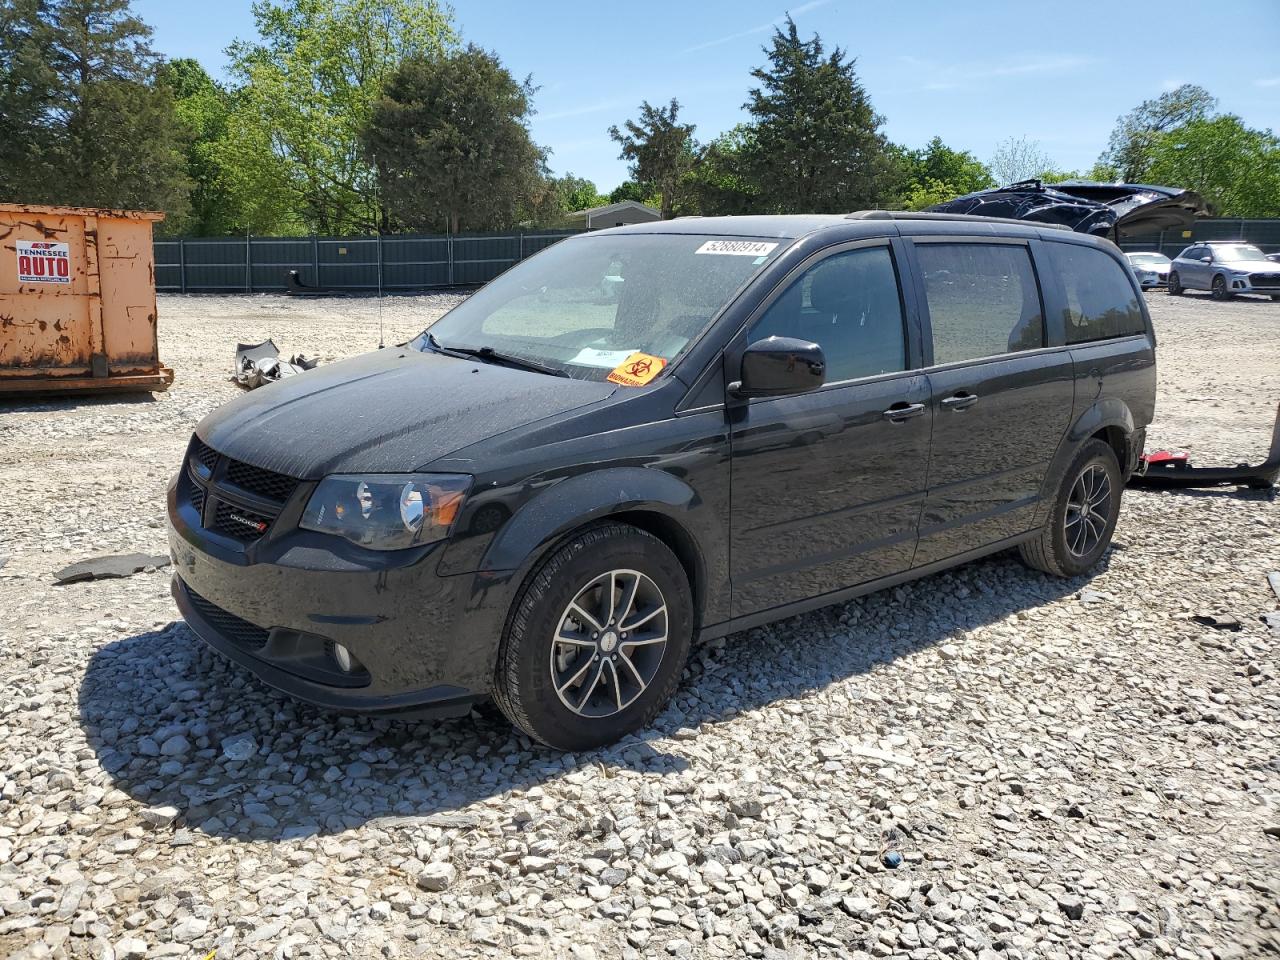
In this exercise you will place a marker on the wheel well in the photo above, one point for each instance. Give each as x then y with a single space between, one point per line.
1116 439
678 541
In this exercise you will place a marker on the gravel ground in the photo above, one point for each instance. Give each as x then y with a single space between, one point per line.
1065 768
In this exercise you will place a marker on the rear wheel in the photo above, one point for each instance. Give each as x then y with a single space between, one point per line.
1084 515
597 640
1175 285
1220 291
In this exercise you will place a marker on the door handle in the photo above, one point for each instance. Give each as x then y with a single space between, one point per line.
961 401
903 411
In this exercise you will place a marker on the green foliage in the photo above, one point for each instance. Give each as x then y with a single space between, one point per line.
1130 150
1235 168
816 144
936 173
451 146
94 128
28 94
307 92
203 108
633 190
661 151
578 194
720 182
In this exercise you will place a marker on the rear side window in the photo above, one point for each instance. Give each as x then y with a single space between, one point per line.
849 305
1101 302
983 299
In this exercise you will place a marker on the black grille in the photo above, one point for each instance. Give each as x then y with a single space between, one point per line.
228 624
236 521
203 456
264 483
197 498
1264 279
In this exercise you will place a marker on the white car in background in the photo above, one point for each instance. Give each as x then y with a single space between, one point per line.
1151 269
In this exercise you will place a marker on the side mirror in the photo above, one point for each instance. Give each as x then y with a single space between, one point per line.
1206 259
780 367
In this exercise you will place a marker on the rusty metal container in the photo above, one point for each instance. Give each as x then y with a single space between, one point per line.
77 301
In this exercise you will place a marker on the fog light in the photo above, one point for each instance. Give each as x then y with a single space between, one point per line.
342 657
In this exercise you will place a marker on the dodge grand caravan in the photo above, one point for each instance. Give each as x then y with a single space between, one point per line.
648 434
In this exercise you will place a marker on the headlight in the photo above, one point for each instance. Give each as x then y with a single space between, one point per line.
387 511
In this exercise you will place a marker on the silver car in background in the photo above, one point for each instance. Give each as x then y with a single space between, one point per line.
1226 268
1151 269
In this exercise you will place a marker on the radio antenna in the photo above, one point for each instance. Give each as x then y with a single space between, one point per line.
381 339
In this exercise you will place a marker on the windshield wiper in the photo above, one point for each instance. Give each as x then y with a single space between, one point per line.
491 355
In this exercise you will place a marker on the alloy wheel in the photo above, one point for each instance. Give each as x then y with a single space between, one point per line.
609 643
1088 510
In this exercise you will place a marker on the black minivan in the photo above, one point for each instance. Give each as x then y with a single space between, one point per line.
657 432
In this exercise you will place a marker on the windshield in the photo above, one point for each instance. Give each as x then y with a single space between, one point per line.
1241 251
1154 259
597 306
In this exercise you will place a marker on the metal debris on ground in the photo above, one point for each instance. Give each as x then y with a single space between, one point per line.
110 567
1165 469
259 363
1217 622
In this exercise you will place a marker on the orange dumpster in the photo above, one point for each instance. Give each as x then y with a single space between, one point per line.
77 300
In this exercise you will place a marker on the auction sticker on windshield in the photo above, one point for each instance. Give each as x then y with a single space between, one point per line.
637 370
40 261
604 359
738 248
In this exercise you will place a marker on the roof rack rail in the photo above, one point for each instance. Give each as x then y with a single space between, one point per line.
963 217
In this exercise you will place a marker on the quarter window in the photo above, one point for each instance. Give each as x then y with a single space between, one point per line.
1101 302
849 305
983 300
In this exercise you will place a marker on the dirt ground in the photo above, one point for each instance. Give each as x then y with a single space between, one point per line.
1072 769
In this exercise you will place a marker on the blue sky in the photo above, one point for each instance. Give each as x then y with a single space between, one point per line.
973 73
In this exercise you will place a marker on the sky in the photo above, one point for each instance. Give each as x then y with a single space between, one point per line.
973 73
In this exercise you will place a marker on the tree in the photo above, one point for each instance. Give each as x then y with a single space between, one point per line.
307 92
936 173
816 142
575 193
720 182
633 190
1018 158
95 128
450 143
1129 151
28 95
202 108
660 148
1236 169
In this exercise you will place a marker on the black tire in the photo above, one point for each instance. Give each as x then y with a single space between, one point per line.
1175 285
525 687
1220 291
1051 550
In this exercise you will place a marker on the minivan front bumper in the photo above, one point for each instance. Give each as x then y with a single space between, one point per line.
421 642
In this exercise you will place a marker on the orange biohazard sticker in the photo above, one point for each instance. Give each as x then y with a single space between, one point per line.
637 370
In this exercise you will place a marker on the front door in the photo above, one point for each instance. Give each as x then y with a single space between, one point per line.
827 486
1001 402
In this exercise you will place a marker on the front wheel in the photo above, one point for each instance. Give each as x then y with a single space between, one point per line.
1220 291
597 640
1175 285
1083 517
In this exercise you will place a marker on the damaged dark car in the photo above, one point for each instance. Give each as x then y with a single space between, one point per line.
653 433
1110 210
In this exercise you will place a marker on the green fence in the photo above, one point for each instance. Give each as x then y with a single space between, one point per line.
344 264
1261 233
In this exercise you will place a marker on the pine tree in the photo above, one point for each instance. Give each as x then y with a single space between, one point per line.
120 142
816 144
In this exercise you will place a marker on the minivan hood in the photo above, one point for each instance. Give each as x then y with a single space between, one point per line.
390 411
